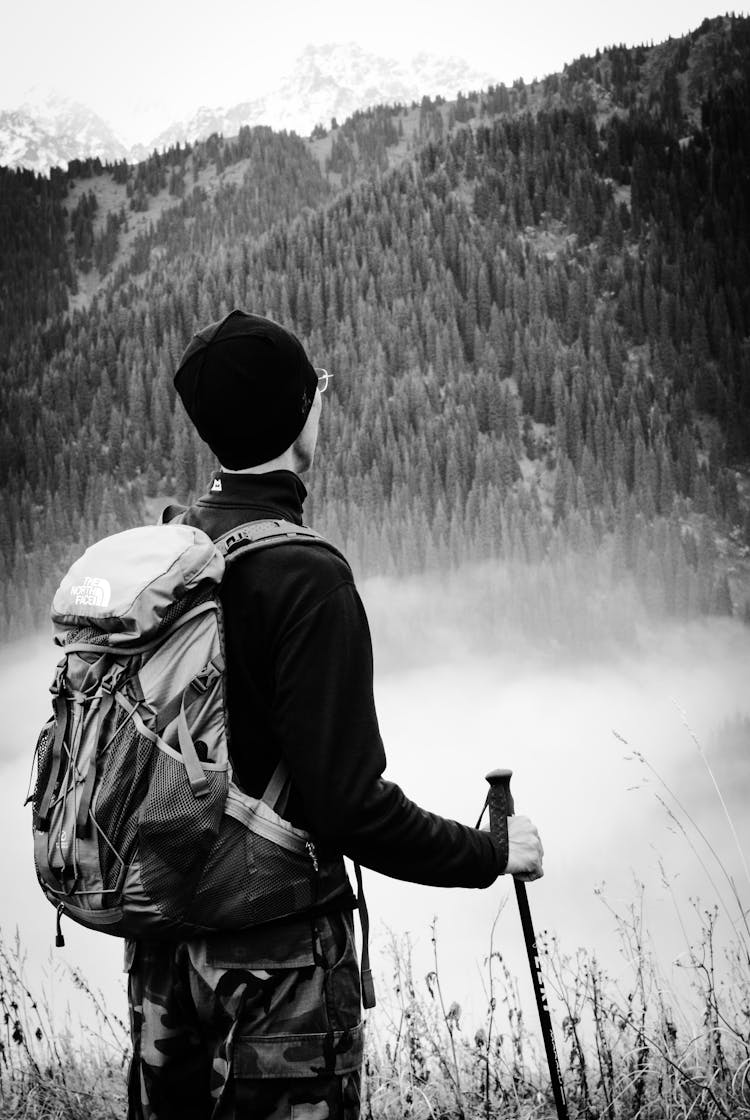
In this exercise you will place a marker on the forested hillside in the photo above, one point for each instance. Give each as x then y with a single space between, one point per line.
535 302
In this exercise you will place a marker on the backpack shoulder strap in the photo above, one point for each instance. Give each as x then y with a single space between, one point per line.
250 537
263 534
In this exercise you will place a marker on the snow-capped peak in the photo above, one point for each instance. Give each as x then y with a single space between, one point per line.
329 80
48 130
333 80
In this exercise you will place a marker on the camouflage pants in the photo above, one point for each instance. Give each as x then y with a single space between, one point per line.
259 1025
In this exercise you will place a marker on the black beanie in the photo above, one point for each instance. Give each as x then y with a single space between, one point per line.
248 386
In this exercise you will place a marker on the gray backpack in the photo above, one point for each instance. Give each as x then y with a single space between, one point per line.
139 829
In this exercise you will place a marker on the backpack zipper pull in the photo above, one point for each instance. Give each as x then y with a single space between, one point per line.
59 939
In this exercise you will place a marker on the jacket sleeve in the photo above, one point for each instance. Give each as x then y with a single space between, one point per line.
324 713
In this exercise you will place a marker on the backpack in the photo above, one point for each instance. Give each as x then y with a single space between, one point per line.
139 829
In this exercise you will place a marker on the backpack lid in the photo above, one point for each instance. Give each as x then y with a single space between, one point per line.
124 584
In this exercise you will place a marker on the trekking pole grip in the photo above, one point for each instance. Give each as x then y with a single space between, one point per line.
501 807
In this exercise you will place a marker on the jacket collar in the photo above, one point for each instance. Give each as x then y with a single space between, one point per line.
274 494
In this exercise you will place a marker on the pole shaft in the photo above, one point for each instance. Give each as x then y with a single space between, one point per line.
558 1092
501 807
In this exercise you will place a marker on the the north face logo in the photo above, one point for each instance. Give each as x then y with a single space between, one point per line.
93 592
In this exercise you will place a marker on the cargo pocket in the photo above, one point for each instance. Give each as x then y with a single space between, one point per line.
284 945
289 1026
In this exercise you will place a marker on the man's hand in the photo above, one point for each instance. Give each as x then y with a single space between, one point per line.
525 850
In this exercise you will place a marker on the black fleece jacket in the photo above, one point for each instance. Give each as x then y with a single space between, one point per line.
299 685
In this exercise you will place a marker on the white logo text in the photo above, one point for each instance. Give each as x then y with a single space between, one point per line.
93 592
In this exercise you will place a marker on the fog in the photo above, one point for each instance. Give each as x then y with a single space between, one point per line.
448 715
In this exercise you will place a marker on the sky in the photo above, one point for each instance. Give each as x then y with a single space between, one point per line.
178 54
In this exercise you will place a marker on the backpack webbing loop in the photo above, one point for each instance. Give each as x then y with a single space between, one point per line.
195 775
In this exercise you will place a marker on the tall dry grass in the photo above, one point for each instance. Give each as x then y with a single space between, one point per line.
631 1046
627 1050
49 1071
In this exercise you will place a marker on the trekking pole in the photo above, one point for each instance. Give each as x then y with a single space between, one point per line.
501 807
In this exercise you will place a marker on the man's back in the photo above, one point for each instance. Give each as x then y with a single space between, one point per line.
300 687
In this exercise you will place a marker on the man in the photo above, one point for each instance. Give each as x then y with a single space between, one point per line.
266 1023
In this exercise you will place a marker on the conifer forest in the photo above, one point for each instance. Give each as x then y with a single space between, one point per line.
535 301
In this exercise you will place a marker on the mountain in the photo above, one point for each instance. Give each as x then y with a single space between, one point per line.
48 130
328 81
536 301
332 81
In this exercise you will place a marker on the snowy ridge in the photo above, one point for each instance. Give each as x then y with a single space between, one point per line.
334 80
48 130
